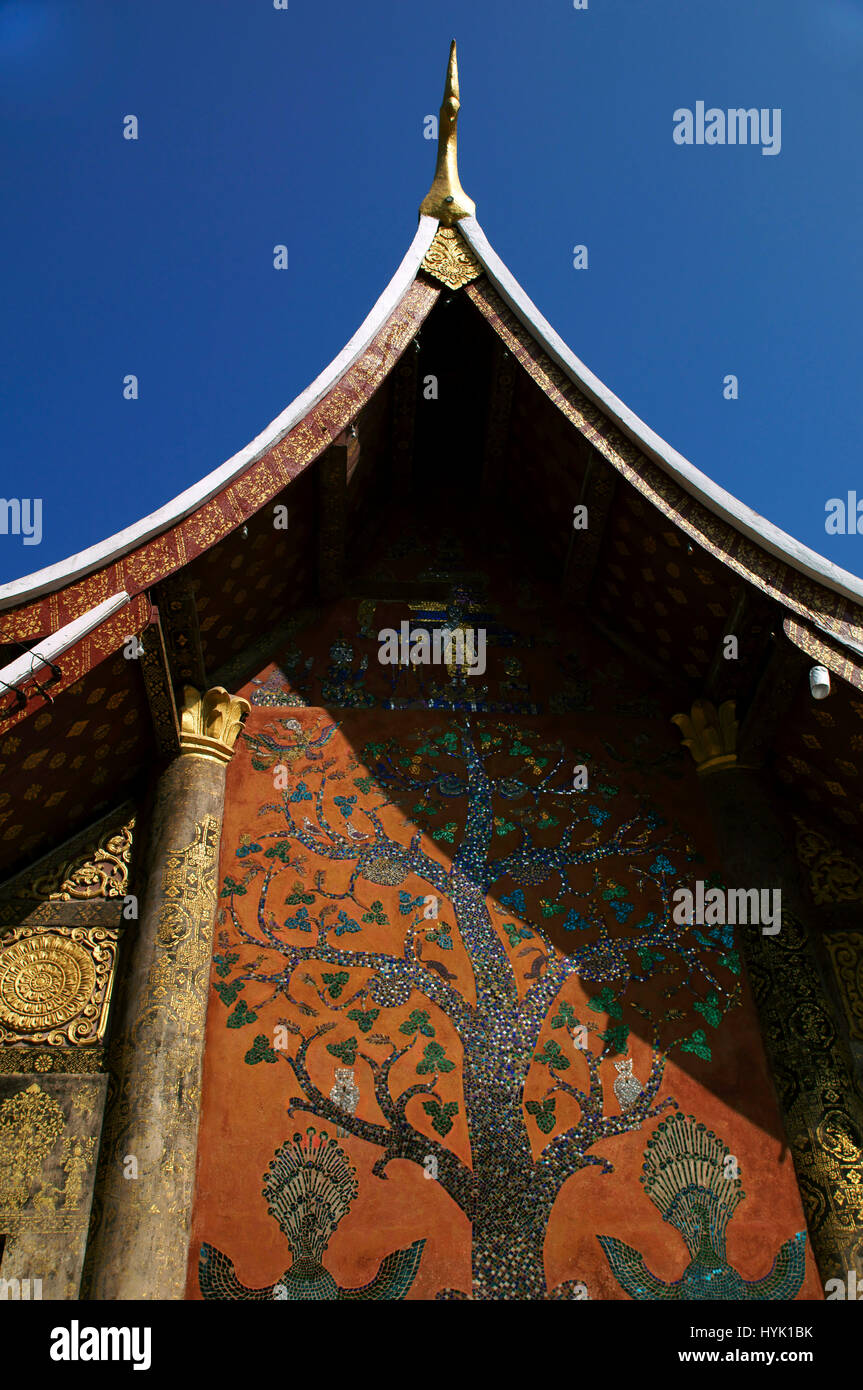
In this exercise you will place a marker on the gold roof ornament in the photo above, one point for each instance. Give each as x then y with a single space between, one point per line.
710 735
210 722
446 199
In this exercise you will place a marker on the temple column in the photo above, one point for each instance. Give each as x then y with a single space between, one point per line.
808 1059
142 1208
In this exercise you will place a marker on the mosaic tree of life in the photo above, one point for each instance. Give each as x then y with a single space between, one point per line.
458 843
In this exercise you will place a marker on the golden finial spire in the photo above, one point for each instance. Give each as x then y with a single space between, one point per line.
446 199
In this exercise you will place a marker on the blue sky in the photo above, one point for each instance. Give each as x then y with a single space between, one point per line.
305 127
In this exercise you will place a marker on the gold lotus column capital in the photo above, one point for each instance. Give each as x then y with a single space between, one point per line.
710 735
210 722
446 199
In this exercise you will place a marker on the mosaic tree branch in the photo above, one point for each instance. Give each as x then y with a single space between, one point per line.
400 1140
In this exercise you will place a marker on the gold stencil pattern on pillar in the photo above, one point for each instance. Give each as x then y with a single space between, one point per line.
55 985
211 722
175 993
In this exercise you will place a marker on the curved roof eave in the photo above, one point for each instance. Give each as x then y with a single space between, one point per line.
715 498
57 576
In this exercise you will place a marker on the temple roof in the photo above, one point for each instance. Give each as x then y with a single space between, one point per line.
547 435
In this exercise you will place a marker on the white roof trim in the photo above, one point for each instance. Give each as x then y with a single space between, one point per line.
53 577
715 498
49 648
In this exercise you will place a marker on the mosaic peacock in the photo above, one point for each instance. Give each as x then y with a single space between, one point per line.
309 1186
691 1178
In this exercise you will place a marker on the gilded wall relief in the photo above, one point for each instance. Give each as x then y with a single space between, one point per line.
88 873
846 953
48 1139
833 876
55 985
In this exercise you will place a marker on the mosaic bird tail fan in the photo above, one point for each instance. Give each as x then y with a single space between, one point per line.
309 1187
691 1178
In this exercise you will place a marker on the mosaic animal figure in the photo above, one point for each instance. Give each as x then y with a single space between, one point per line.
309 1186
691 1178
627 1086
268 749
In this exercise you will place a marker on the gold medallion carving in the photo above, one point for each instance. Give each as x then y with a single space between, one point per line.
450 259
44 982
55 985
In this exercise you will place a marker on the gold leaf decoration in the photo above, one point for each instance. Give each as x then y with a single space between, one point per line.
211 722
710 736
450 259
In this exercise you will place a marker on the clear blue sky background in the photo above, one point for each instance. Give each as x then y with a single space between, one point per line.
305 127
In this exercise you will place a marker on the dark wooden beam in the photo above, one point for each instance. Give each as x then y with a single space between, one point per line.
158 682
784 670
335 470
497 426
752 620
178 611
403 421
597 495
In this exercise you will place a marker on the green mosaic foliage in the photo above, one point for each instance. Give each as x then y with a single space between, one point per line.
552 1055
335 982
698 1044
441 1113
346 1051
418 1022
543 1113
565 1016
228 992
616 1037
434 1059
363 1018
241 1016
606 1002
710 1009
260 1051
224 962
299 895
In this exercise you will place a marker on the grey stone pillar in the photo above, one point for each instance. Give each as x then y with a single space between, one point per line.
142 1207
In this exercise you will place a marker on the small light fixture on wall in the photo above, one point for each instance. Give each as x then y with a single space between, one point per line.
819 682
